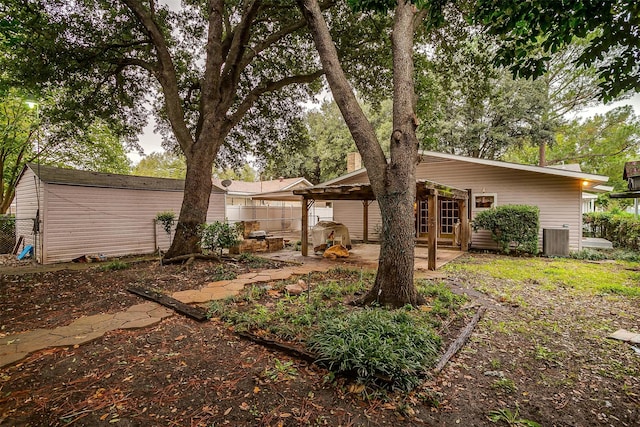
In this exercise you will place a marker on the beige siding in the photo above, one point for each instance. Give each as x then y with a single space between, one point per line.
557 197
93 220
27 206
350 213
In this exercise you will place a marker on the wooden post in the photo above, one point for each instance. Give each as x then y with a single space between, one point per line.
305 227
365 221
464 225
432 215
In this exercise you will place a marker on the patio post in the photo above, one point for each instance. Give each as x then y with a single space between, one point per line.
432 213
305 226
365 221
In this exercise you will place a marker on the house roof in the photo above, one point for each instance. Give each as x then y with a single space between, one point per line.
253 188
631 170
568 172
54 175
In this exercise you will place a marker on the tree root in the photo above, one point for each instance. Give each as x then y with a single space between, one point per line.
188 258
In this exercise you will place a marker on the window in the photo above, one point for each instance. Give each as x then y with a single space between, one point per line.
484 201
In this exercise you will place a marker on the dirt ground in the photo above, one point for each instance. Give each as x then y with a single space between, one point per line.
545 357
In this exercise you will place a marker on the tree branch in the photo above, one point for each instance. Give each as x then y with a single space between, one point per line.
166 74
260 90
360 128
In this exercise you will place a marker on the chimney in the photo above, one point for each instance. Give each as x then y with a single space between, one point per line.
354 162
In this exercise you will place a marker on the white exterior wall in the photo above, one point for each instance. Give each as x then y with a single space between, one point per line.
558 198
278 218
26 203
93 220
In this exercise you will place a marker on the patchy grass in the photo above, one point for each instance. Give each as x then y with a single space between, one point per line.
618 278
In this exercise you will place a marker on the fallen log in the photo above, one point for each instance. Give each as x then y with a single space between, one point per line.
459 342
285 348
187 257
195 313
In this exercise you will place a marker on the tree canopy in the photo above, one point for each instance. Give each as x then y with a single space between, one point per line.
530 31
26 136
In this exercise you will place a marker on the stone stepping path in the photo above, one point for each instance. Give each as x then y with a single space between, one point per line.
18 346
229 288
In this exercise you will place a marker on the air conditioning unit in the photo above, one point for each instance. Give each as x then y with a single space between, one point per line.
555 241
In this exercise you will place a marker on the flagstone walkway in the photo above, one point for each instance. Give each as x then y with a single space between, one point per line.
87 328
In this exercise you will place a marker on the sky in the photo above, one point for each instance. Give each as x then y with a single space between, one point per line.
150 141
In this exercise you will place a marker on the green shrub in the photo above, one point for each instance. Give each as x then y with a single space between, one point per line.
511 225
375 345
166 219
218 235
622 229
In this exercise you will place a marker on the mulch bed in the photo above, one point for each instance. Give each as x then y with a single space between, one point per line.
185 373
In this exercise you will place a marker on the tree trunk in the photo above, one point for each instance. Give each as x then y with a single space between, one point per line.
393 182
197 191
543 154
394 282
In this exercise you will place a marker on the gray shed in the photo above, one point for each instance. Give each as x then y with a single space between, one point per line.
83 212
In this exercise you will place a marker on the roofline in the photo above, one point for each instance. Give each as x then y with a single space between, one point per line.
345 176
517 166
34 169
302 179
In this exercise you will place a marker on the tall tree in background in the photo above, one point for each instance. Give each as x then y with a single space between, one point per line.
321 156
531 31
481 110
26 136
224 71
601 144
161 165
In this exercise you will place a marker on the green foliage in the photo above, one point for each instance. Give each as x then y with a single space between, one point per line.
377 344
114 265
511 224
512 419
166 219
252 260
218 235
601 145
532 30
281 371
504 384
327 141
161 165
622 229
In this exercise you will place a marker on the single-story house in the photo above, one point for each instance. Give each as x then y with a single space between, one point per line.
557 192
270 202
78 212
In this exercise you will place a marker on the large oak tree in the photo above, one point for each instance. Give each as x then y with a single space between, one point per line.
221 74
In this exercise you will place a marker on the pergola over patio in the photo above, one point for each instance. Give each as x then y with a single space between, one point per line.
425 190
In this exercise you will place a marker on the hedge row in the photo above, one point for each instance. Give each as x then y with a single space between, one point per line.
623 230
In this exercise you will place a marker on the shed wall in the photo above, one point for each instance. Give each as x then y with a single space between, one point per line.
558 198
26 201
93 220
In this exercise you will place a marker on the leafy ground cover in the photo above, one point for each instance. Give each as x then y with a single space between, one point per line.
539 355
